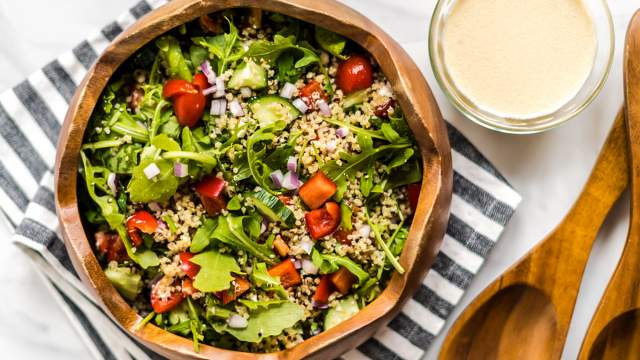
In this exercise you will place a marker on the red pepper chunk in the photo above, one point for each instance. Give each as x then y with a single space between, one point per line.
311 93
187 287
189 268
355 73
162 305
111 246
238 287
210 191
287 273
324 221
318 189
188 100
343 280
413 192
140 221
323 291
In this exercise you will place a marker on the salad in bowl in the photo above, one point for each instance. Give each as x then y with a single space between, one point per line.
249 181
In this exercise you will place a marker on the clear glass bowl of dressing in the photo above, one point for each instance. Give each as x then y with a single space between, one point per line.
600 15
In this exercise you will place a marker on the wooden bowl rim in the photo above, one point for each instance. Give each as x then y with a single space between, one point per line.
416 100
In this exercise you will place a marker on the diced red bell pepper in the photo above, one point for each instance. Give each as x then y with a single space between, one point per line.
323 291
413 192
342 236
210 191
322 222
355 73
287 272
143 221
238 287
187 287
177 87
189 268
318 189
111 246
343 280
311 93
162 305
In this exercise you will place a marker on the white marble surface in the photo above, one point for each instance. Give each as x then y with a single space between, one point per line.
548 169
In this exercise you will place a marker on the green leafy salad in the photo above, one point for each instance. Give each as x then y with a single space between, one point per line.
249 181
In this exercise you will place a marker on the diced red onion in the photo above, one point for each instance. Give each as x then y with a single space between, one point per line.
220 88
307 245
342 132
319 305
323 107
208 72
111 182
237 322
180 170
236 108
331 146
152 170
263 225
245 92
309 267
290 181
297 264
292 164
154 206
161 226
287 90
300 105
277 177
209 90
365 230
218 107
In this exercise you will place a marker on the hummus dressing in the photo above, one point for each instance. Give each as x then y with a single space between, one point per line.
519 58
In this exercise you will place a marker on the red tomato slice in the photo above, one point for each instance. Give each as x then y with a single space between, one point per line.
323 291
210 191
200 81
176 87
189 108
312 92
318 189
322 222
189 268
238 287
140 221
287 272
354 74
161 305
343 280
413 191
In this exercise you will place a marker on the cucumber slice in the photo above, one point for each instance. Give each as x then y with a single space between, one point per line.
272 208
272 108
248 74
345 309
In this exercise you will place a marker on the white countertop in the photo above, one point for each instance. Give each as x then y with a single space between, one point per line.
547 169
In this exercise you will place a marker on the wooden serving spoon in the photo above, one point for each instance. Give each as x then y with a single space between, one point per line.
614 332
525 313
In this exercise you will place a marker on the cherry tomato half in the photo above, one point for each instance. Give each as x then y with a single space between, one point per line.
354 74
189 108
287 273
318 189
177 87
322 222
413 192
162 305
140 221
111 246
200 81
189 268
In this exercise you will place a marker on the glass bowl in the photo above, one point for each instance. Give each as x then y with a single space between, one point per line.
603 26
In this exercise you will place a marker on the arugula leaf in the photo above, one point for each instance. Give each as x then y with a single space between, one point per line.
202 237
356 129
327 264
331 42
261 278
173 59
161 188
255 305
287 72
225 48
270 51
279 157
230 231
265 322
391 135
399 123
215 271
345 217
408 173
366 182
381 244
164 142
260 171
401 157
198 55
121 159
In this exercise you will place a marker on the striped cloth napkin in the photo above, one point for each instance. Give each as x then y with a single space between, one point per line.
31 116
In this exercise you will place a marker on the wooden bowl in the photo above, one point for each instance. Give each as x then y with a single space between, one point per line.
415 98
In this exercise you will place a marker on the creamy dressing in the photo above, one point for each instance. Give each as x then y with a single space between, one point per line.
519 58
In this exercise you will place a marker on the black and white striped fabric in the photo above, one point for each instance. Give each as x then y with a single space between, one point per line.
31 116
